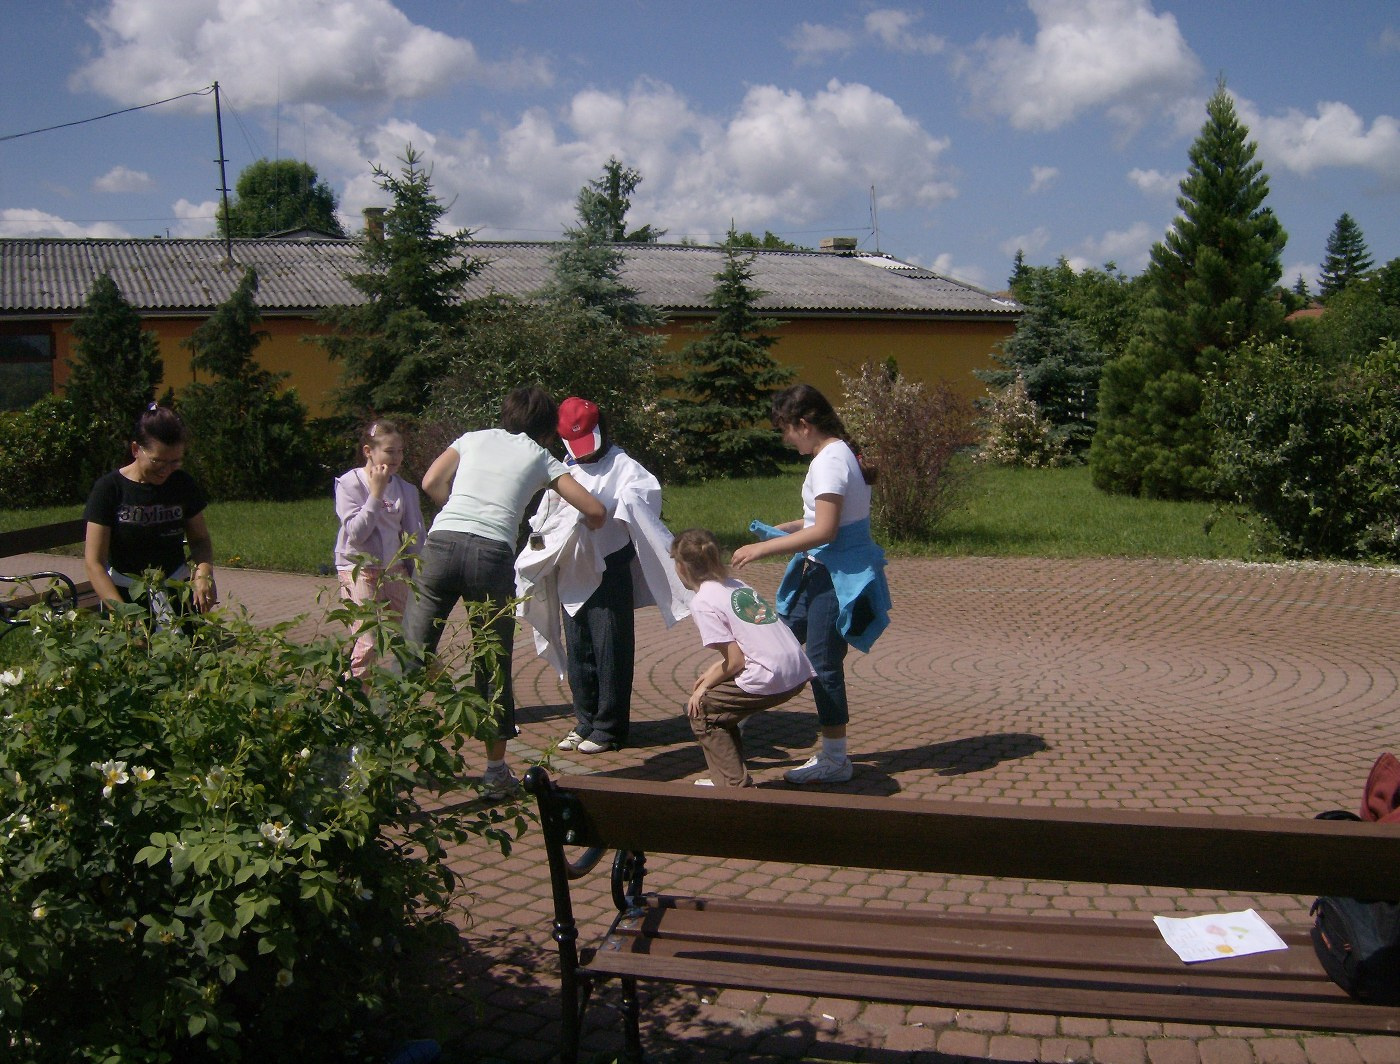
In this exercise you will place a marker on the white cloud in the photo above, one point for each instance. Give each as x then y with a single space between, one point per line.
812 42
887 27
1156 184
1128 249
944 265
1027 243
364 50
121 179
1335 136
1310 271
782 158
1042 177
20 222
195 219
1389 40
893 29
1115 55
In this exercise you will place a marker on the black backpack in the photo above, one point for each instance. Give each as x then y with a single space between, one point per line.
1358 943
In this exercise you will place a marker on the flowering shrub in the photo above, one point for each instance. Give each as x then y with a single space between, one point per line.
909 434
213 841
1017 433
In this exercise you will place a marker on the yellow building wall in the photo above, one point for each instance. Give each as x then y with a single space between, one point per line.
817 348
286 349
820 349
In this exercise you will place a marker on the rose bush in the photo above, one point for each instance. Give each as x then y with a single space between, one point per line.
213 842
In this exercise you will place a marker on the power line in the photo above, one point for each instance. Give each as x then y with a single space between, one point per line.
110 114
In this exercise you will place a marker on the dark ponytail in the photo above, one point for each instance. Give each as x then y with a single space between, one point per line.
802 402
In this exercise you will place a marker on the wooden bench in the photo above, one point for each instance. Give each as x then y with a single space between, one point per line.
54 589
1043 963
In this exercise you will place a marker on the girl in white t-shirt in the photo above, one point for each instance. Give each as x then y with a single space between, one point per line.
834 592
761 664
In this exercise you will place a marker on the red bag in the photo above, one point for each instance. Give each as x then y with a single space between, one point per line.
1380 802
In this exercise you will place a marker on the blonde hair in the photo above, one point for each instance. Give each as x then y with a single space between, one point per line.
698 551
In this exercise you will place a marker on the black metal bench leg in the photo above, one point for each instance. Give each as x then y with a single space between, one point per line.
631 1019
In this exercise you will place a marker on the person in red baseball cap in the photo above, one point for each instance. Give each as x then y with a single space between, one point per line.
601 576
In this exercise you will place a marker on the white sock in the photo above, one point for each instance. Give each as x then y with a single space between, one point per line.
834 748
495 766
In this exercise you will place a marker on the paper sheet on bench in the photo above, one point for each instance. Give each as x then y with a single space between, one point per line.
1214 936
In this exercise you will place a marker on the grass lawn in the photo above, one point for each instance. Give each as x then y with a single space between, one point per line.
1004 512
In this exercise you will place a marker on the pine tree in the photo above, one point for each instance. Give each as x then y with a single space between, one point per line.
1347 257
1210 287
412 279
728 380
113 375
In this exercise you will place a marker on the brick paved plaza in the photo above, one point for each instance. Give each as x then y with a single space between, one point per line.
1207 687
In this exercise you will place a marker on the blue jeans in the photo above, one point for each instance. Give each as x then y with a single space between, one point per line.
602 645
460 566
814 621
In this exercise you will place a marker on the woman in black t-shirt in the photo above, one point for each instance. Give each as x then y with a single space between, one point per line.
140 517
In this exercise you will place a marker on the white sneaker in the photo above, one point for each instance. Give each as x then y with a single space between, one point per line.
821 769
704 781
570 741
588 746
497 784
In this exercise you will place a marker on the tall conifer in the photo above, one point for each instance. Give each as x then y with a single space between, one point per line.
1210 287
728 379
1347 257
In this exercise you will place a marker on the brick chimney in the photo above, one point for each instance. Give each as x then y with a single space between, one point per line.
841 245
374 223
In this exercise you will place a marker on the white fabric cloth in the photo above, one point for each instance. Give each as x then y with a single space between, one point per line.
835 471
729 611
563 562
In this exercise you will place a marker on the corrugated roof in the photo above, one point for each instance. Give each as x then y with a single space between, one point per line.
53 276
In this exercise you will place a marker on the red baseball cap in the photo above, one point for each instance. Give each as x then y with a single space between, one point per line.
578 426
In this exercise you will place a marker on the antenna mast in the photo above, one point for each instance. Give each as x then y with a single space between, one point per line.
875 219
223 175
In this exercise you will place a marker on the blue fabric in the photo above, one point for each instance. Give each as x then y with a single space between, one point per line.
857 567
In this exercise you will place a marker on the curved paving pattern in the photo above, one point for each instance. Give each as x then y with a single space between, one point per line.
1141 684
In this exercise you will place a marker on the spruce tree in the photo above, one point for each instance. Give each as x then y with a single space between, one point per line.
412 278
1053 355
1210 287
113 375
728 379
588 267
249 436
1347 257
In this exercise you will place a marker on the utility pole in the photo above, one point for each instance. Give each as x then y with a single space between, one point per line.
223 176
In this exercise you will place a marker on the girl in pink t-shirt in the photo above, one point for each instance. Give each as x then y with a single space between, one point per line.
761 664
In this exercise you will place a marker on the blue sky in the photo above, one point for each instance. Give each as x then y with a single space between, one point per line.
977 126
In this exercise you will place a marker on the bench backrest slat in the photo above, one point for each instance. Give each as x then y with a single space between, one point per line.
1233 853
42 537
